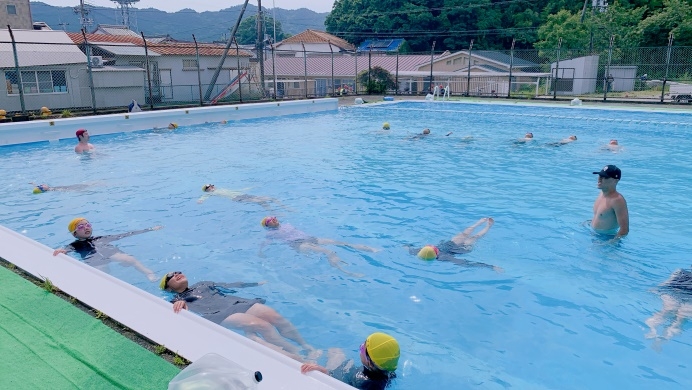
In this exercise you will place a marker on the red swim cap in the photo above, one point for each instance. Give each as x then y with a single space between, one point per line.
80 132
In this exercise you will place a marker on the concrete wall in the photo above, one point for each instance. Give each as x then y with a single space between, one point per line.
623 78
117 88
583 71
77 95
47 130
22 20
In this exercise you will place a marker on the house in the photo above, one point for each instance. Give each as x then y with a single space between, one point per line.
312 42
52 72
489 73
172 65
16 14
293 73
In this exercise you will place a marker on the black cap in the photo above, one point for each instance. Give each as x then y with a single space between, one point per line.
609 171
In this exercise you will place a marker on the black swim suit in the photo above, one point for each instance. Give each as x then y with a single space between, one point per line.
214 301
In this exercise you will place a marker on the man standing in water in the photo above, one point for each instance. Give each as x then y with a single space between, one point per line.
610 215
83 145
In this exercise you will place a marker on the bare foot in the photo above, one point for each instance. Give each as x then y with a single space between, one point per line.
152 277
491 221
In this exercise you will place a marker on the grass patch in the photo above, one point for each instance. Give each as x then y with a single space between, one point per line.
179 360
159 349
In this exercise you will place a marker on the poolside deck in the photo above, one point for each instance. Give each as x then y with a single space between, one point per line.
48 343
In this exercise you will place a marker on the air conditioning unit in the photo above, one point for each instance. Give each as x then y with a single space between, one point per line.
97 62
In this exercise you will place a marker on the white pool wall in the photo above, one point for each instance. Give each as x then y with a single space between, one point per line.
54 129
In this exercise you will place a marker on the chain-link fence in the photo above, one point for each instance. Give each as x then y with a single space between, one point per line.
100 73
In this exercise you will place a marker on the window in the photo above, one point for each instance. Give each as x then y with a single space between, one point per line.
449 62
296 84
189 64
456 61
36 81
11 9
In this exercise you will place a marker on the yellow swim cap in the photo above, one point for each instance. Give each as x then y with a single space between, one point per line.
37 190
428 252
162 284
385 125
383 350
72 226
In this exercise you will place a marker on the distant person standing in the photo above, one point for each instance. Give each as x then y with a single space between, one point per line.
134 107
83 145
610 214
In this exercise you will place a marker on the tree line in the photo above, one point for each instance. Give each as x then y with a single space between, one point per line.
494 24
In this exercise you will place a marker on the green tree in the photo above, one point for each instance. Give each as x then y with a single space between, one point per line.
378 80
675 17
565 25
247 30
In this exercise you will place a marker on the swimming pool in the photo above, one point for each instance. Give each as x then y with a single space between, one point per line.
568 312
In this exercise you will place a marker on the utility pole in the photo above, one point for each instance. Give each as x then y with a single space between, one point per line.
260 44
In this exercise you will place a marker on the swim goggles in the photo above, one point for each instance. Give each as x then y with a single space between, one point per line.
83 226
170 276
208 186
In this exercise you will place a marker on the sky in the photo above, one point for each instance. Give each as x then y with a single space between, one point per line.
205 5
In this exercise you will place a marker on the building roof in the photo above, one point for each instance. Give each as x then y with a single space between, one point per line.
381 45
343 65
163 48
494 56
114 29
123 49
39 48
316 36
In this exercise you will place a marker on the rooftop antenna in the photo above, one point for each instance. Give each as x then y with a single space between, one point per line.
83 10
123 16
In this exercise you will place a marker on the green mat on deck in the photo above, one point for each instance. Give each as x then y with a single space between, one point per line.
46 343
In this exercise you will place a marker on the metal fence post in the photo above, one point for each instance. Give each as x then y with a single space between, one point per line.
468 72
240 86
511 63
273 62
89 71
432 55
332 50
355 79
146 62
607 82
557 67
368 88
396 77
199 74
305 66
665 78
16 69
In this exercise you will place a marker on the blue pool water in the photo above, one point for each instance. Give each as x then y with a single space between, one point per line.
567 313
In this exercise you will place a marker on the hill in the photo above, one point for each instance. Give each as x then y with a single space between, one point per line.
207 26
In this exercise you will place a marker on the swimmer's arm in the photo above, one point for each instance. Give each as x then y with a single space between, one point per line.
466 263
202 198
239 284
307 367
114 237
623 217
63 250
179 305
260 252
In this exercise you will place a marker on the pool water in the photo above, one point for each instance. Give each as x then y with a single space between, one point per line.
567 313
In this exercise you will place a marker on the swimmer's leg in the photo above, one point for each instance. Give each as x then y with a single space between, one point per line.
364 248
670 305
465 237
684 312
249 324
335 357
256 338
285 328
333 258
126 260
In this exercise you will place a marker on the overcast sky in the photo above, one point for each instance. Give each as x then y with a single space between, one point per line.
207 5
